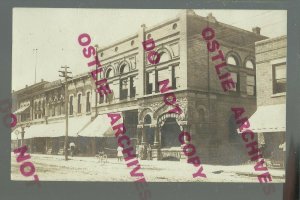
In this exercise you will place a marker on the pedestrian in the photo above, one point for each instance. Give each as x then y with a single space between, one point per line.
149 152
120 154
282 153
72 147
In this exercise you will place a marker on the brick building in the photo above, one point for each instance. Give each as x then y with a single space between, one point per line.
186 62
269 121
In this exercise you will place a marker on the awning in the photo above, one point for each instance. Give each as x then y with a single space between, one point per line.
57 128
22 109
269 119
100 127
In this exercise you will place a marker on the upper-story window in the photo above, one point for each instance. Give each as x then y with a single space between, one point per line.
235 78
109 73
88 103
164 57
132 87
175 76
149 82
250 85
231 60
71 106
162 74
79 103
123 88
249 64
279 78
124 68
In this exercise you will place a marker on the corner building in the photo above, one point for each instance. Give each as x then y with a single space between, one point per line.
186 62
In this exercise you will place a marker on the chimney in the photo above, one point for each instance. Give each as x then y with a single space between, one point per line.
42 80
256 30
26 85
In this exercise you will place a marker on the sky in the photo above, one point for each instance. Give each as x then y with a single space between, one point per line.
54 32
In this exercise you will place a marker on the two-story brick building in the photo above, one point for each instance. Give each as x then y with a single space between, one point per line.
186 62
269 121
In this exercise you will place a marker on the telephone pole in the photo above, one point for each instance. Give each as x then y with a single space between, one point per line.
96 97
65 75
36 51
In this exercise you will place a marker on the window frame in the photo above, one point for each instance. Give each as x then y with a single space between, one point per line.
274 80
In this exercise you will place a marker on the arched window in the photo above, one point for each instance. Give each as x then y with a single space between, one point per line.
109 73
79 103
124 68
164 57
147 119
88 103
249 64
231 60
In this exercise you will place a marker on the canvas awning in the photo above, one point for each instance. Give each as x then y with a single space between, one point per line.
100 127
270 118
57 128
20 110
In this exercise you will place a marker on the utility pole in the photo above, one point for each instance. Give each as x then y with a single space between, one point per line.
35 50
96 99
65 75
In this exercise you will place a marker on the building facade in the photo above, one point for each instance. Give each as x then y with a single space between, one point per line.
185 62
269 121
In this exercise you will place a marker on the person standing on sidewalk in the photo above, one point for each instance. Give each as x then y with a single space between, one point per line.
120 154
72 147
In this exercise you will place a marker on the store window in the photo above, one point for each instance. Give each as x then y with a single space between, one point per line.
79 103
88 103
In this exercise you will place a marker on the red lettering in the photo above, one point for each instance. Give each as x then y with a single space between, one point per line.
227 85
114 117
263 177
237 112
245 133
149 45
169 101
22 150
208 33
123 138
164 87
129 152
259 166
213 46
185 135
27 164
186 150
199 173
220 55
120 129
152 55
88 52
82 36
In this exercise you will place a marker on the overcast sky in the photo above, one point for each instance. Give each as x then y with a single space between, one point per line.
54 33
